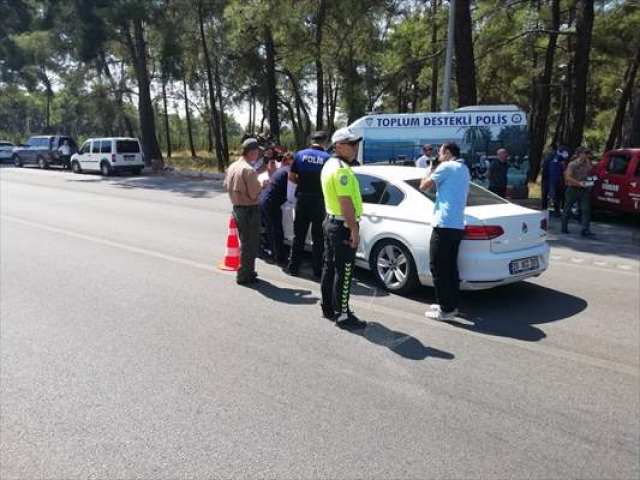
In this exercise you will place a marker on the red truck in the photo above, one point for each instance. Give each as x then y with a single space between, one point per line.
618 184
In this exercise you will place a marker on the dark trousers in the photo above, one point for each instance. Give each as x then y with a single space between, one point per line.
498 190
443 250
339 262
555 191
583 196
271 215
309 210
66 161
248 221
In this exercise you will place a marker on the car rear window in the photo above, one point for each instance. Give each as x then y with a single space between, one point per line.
477 196
127 146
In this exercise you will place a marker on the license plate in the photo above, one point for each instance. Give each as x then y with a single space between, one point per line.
129 158
523 265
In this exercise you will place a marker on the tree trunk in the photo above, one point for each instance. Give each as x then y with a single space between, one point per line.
634 137
542 97
215 119
302 118
223 122
138 52
188 117
320 18
272 94
435 69
166 117
117 91
584 28
465 61
332 102
615 135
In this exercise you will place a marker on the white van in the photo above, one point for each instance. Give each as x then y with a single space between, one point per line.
109 155
478 130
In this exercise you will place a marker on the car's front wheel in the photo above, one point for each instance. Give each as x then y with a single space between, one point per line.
105 170
16 161
393 266
75 167
42 163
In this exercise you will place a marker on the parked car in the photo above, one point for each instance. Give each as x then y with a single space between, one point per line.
618 181
503 242
6 149
109 155
41 150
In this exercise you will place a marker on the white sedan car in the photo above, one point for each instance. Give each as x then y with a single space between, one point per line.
503 242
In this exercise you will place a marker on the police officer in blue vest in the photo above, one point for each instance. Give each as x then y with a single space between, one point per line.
305 173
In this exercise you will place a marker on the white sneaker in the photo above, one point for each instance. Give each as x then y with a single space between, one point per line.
440 315
434 307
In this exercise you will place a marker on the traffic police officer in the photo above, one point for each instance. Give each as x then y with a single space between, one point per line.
343 203
305 172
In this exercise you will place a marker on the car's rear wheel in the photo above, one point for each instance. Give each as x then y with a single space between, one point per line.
105 170
42 163
137 171
393 266
16 161
75 167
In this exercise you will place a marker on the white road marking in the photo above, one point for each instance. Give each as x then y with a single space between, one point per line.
368 304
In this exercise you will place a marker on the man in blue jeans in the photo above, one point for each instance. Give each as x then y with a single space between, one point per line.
451 179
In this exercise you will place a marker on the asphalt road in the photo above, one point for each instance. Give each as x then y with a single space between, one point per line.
126 354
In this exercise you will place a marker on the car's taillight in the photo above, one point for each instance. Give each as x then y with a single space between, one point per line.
113 158
482 232
543 224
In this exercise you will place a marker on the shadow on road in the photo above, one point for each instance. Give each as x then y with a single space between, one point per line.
400 343
513 310
293 296
193 187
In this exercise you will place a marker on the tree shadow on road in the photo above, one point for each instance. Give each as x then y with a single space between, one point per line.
193 187
293 296
400 343
513 310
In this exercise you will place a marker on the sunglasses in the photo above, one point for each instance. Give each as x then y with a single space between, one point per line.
428 149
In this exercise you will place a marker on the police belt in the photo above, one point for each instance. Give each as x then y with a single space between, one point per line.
338 218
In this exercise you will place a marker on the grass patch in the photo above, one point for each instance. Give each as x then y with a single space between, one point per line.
205 162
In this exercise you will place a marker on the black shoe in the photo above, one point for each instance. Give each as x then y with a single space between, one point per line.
250 280
348 321
329 315
294 272
587 233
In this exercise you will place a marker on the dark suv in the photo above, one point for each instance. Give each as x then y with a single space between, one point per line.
42 150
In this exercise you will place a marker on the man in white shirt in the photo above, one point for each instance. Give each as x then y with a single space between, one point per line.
425 159
65 154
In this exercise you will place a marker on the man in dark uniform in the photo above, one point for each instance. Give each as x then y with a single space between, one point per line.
497 173
271 200
305 173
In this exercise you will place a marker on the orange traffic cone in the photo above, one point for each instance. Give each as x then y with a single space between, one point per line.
231 260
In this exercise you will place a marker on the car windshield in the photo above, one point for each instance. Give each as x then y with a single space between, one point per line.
477 196
127 146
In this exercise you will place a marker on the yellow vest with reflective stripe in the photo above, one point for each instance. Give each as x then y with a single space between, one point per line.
338 180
